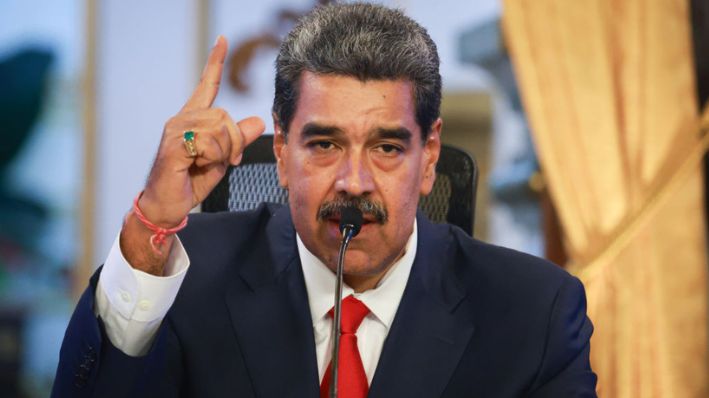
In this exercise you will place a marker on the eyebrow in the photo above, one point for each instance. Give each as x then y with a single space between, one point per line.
398 133
313 129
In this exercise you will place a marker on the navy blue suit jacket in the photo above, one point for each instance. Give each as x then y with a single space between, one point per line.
475 320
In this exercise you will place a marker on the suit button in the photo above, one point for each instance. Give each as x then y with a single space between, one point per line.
82 375
90 354
80 380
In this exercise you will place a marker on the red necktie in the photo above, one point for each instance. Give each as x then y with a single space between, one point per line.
351 379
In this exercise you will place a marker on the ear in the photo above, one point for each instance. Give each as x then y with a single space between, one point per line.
431 152
280 151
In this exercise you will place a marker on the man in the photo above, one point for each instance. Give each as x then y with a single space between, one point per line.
356 116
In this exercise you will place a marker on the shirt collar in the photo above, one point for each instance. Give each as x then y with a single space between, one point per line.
382 301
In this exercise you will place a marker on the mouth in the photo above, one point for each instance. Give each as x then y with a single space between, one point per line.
333 224
365 220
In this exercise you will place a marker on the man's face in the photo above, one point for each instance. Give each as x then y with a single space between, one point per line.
353 139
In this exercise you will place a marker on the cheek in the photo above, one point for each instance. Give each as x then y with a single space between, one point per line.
307 187
401 194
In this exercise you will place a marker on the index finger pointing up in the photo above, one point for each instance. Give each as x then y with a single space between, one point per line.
206 91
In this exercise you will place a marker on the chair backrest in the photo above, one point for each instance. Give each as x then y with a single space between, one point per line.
255 181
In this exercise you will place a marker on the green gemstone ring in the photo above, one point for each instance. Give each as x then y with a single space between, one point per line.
189 138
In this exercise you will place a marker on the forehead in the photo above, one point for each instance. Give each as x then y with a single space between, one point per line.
354 105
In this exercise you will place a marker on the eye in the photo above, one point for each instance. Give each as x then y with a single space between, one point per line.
324 144
321 145
389 149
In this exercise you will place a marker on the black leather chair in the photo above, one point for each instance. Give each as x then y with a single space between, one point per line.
254 181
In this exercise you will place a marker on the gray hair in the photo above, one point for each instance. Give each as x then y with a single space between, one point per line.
361 40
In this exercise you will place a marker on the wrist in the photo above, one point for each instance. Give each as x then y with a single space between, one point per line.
158 214
160 233
135 246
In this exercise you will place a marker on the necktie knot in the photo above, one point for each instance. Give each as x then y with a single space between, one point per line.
353 313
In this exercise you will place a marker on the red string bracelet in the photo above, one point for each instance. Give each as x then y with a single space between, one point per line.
159 234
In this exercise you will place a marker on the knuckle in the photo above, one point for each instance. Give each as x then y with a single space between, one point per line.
215 153
223 134
221 113
172 122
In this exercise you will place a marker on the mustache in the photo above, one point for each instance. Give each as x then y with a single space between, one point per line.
333 208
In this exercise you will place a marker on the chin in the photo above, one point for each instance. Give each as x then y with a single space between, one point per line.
359 263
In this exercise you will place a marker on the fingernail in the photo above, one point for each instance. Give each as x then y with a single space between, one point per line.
217 41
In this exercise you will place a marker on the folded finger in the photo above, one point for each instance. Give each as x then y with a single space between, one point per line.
208 151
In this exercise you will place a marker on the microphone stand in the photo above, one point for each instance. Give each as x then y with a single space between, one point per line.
349 226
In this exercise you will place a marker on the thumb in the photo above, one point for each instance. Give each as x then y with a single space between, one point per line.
251 128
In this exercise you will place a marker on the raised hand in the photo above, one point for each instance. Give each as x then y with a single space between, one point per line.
179 181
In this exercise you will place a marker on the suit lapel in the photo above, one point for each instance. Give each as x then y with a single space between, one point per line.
269 310
428 336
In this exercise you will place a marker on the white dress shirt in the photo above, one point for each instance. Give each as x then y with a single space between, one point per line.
382 302
132 303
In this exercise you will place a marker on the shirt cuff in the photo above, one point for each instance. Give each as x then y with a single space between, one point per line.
138 295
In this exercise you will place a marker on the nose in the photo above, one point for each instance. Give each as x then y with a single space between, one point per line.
354 176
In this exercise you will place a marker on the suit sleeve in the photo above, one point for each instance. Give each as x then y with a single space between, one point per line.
565 370
90 366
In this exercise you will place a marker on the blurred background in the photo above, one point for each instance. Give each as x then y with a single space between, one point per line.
586 121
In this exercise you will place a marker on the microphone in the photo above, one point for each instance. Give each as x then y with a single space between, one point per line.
350 225
350 221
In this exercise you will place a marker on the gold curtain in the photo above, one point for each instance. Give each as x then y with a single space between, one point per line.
608 87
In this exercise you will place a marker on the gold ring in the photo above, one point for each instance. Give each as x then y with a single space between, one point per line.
189 139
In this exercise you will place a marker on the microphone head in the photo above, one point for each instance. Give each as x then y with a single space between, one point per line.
352 217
